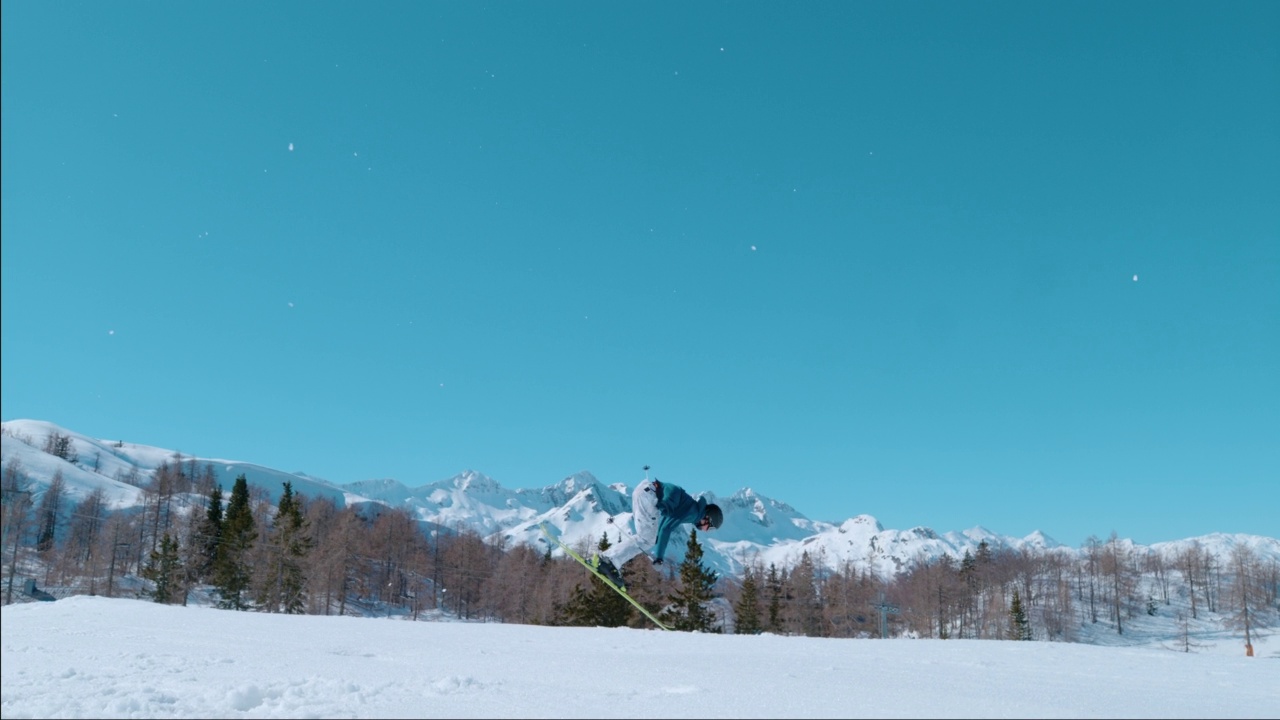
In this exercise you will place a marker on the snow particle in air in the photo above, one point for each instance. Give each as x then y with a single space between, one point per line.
1135 278
290 147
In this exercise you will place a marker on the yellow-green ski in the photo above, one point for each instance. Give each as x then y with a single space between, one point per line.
583 562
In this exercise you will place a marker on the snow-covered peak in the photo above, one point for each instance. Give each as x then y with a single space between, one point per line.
860 524
579 507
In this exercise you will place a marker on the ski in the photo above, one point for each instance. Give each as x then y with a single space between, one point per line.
584 563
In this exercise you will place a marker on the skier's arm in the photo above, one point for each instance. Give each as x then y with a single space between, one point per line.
664 535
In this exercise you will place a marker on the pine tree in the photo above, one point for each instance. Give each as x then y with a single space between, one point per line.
985 555
231 571
969 570
747 610
689 609
284 589
805 608
774 583
1019 626
600 606
164 568
209 536
50 511
59 445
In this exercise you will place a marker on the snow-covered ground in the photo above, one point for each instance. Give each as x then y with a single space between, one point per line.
98 657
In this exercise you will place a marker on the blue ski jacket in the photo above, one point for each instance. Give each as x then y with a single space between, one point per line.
676 507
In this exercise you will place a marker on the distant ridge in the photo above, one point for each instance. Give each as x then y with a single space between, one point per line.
756 528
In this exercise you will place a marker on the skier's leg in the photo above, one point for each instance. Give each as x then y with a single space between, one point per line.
644 514
621 553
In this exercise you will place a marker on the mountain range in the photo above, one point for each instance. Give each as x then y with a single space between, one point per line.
756 529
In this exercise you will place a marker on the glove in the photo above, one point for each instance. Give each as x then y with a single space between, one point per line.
657 562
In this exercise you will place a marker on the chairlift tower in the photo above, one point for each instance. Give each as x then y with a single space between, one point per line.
885 608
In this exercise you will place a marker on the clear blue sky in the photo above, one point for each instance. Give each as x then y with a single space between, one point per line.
861 257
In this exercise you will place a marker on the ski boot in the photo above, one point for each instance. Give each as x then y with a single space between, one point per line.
606 568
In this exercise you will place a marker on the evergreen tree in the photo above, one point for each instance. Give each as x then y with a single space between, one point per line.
209 536
689 609
985 554
969 570
164 568
231 571
284 588
1019 625
774 582
59 445
805 609
599 606
50 511
747 610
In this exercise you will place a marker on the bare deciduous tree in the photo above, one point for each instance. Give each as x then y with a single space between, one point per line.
1248 588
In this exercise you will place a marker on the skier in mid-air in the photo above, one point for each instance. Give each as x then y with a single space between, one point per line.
657 508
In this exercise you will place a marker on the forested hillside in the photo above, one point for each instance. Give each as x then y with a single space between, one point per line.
191 540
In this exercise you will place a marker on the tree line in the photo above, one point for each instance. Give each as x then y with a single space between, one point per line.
1007 594
307 555
301 555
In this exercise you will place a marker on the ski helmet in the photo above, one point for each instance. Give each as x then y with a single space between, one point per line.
714 515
